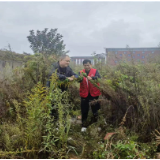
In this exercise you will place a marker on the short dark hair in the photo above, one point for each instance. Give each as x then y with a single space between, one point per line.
86 61
63 56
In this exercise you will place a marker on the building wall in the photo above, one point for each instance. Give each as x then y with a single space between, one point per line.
114 55
10 64
79 60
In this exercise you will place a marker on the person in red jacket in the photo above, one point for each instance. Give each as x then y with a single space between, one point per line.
89 92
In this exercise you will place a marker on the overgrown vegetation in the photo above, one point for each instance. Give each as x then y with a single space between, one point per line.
129 97
129 115
12 56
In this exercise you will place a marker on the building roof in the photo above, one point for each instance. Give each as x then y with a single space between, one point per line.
97 55
82 57
134 49
100 55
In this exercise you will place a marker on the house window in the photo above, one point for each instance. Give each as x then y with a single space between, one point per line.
120 55
138 54
115 52
115 61
133 52
143 52
124 52
129 55
143 57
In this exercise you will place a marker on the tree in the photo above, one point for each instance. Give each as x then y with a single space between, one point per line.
47 42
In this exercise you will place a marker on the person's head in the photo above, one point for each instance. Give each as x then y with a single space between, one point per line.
87 64
64 61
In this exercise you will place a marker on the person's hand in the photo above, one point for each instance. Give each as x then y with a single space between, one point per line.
73 77
89 78
70 78
81 74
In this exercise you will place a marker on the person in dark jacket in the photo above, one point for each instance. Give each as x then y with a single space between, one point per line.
89 93
63 72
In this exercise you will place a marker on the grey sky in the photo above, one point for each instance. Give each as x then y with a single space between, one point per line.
86 26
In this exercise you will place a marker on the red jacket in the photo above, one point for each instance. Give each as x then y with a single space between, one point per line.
87 87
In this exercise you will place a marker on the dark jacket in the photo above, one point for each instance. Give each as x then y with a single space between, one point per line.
62 73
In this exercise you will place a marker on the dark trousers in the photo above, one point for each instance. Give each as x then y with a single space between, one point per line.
85 109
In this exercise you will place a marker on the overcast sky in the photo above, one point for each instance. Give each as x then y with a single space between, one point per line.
86 26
